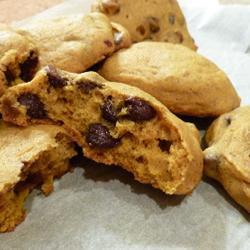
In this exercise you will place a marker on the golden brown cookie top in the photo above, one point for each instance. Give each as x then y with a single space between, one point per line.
159 20
186 82
76 42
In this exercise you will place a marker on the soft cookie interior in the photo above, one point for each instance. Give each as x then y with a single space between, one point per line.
114 123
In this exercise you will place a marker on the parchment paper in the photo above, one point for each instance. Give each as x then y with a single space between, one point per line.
99 207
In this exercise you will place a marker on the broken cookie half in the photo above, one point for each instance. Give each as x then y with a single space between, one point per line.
227 158
157 20
114 124
29 158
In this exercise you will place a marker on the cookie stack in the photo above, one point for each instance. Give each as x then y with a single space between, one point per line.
95 82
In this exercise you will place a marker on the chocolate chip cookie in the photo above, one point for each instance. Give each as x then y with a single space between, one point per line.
29 158
76 42
227 159
186 82
18 57
158 20
114 123
73 43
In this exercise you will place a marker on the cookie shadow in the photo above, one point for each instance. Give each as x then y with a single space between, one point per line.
219 188
102 173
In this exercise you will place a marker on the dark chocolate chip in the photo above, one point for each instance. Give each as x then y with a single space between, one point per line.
28 67
109 112
34 106
165 145
108 43
171 19
140 159
154 24
141 30
87 85
118 37
139 110
9 76
54 79
228 121
99 136
110 7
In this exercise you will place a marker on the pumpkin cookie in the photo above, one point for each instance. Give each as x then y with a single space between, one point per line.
227 159
76 42
158 20
29 158
114 123
73 43
186 82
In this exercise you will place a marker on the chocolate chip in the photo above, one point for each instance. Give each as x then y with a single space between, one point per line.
99 136
140 159
165 145
28 67
228 121
139 110
141 30
55 80
118 37
108 43
33 104
109 112
171 19
87 85
110 7
154 24
9 76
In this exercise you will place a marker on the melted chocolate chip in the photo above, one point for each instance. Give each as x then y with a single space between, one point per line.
87 85
108 43
154 24
171 19
9 76
109 112
165 145
28 67
55 80
34 106
141 30
99 136
139 110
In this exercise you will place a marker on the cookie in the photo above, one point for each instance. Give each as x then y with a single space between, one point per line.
73 43
29 158
18 57
114 123
227 158
186 82
76 42
158 20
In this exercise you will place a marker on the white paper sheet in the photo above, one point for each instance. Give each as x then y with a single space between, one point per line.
100 207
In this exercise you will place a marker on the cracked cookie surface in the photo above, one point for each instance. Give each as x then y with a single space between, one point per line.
114 123
227 158
158 20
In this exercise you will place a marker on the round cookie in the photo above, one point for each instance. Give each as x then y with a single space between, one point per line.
115 124
76 42
227 159
186 82
158 20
